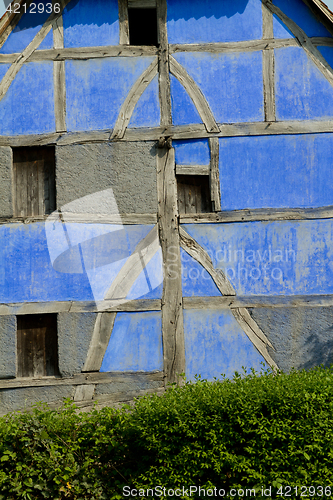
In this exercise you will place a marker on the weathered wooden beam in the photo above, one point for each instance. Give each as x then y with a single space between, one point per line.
123 22
108 305
259 214
215 190
257 301
196 95
9 20
121 219
128 379
59 78
172 310
163 64
192 169
141 4
100 341
244 46
268 64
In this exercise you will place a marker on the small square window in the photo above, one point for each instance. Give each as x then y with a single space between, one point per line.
37 345
34 181
193 194
142 24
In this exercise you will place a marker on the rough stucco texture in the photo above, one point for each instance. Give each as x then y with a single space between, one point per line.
8 346
128 168
302 337
6 204
74 334
14 399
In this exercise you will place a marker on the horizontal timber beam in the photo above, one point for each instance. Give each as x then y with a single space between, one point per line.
181 132
259 214
192 169
68 217
112 305
84 379
257 301
83 53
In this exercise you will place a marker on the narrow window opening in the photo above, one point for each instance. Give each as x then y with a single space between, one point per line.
193 194
34 181
37 345
142 24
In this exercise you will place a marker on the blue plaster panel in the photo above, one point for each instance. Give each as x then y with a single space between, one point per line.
302 91
28 106
231 83
96 89
183 109
26 272
147 110
273 258
327 53
192 152
277 171
194 21
215 344
196 282
91 24
280 30
301 15
26 30
135 343
149 284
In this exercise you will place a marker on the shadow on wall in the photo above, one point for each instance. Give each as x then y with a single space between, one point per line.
206 8
320 350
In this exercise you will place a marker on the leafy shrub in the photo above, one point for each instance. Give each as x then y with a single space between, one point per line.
257 430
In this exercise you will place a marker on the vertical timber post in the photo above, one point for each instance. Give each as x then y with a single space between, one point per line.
268 69
59 76
172 303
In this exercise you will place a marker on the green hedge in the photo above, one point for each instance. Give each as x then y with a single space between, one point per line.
255 431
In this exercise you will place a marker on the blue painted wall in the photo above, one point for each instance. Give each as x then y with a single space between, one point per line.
301 15
28 106
215 344
276 171
194 21
302 91
90 24
192 152
147 110
231 83
196 281
183 110
96 89
135 343
271 258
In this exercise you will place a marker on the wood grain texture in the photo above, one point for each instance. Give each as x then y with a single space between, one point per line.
196 95
268 69
59 77
242 316
304 41
259 214
172 311
99 342
163 64
225 47
123 22
132 98
9 21
121 219
192 169
215 190
24 56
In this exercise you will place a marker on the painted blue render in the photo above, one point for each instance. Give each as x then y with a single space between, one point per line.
196 281
302 91
147 110
192 152
149 284
231 83
271 258
96 89
280 30
276 171
91 24
327 53
302 15
215 345
183 109
26 30
135 343
194 21
28 106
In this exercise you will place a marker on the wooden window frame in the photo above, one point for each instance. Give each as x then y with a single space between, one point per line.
124 29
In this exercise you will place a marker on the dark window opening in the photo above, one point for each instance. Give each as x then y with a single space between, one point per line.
37 345
142 26
193 194
34 181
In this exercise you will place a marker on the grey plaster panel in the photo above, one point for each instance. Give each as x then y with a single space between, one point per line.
7 346
24 398
302 336
74 334
128 168
139 384
6 201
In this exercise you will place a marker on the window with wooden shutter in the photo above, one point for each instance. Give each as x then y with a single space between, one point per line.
37 345
193 194
34 181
